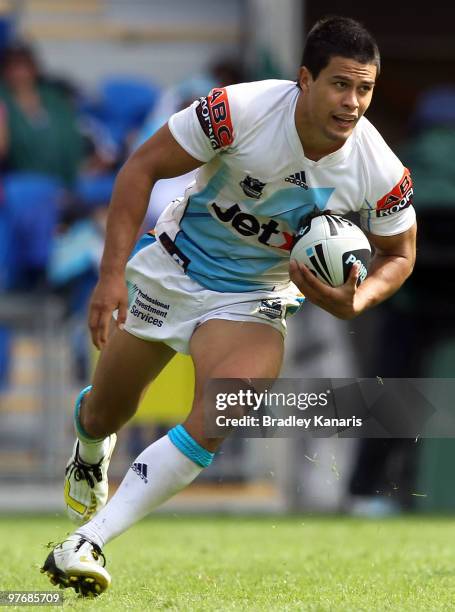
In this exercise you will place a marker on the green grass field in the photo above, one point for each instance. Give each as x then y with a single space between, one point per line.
220 563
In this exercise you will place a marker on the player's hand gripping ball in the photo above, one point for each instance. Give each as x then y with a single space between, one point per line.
329 245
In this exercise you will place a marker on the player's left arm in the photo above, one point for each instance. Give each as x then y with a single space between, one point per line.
388 219
391 265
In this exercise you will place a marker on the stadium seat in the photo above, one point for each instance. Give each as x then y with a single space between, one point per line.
29 218
95 190
125 103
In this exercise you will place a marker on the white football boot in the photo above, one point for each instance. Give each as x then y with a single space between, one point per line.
86 484
79 564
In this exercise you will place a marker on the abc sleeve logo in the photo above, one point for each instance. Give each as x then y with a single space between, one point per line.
399 198
214 116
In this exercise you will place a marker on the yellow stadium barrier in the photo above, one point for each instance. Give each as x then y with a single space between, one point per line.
168 398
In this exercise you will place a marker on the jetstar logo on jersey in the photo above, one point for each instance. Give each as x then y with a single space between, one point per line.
215 118
399 198
265 230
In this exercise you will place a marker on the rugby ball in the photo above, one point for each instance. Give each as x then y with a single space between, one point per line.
329 245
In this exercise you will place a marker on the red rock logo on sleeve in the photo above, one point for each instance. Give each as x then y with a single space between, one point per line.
399 198
215 118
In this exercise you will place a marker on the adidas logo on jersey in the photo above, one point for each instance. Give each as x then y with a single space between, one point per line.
298 178
141 470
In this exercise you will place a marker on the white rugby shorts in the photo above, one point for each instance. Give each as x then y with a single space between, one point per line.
166 305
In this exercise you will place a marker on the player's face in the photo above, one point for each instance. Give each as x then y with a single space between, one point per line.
333 103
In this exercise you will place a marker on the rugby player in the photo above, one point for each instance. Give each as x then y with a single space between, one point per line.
213 280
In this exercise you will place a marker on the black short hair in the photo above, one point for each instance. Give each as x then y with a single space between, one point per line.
339 36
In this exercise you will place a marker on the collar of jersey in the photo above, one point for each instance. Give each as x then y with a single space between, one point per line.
327 160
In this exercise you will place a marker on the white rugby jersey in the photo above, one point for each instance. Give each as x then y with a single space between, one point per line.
234 227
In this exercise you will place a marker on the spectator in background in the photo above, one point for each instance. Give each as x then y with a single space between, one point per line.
219 74
75 258
38 130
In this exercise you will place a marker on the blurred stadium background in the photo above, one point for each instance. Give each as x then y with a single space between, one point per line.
98 77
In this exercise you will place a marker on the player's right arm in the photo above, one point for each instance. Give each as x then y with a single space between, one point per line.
160 157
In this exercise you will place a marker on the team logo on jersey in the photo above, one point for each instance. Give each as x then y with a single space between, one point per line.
273 309
252 187
214 116
399 198
298 178
265 230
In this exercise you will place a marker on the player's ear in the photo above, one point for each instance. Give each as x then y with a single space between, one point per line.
305 78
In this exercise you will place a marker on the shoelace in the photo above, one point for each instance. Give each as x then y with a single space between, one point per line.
96 552
84 471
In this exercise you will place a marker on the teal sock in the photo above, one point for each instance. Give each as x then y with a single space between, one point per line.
91 450
189 447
